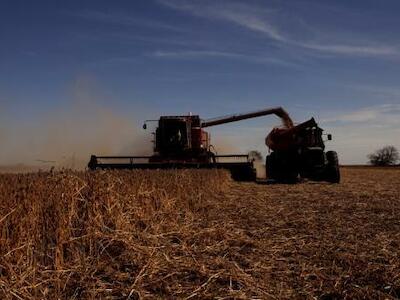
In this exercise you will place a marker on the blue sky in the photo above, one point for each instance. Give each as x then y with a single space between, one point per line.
336 60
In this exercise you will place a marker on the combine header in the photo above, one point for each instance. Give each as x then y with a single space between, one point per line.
181 142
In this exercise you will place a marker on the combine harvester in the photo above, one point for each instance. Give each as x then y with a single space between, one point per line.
296 151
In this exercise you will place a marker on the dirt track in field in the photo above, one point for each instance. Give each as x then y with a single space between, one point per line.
199 235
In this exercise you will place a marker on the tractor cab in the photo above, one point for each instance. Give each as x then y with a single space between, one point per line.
311 137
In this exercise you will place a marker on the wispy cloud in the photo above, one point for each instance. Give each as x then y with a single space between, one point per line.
170 40
383 92
367 50
360 132
248 19
260 21
383 114
236 13
195 53
125 20
220 54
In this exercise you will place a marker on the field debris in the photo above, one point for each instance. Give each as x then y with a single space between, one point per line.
193 234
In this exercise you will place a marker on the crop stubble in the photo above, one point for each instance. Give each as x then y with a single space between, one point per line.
197 234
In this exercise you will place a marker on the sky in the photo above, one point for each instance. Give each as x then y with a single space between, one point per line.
86 74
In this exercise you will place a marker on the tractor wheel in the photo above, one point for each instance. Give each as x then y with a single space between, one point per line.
270 167
332 168
281 168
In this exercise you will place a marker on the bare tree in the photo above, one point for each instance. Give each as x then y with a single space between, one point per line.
385 156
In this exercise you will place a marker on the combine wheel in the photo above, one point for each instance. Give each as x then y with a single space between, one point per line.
332 168
92 165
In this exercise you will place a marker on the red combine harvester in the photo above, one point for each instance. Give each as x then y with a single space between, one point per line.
181 142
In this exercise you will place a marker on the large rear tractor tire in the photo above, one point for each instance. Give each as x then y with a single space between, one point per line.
281 167
270 167
332 167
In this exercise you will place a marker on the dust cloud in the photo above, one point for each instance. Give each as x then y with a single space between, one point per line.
226 145
223 145
67 136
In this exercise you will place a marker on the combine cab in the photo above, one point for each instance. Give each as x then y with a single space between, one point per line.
181 142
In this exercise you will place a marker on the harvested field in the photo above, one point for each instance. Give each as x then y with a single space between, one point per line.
197 234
